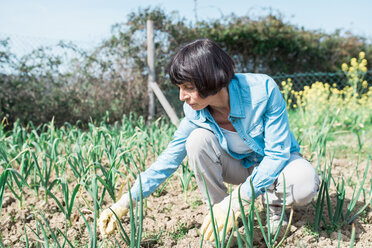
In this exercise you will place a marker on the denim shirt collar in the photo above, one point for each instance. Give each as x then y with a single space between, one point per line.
236 101
236 105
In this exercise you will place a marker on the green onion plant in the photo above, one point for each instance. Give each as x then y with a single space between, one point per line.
133 240
67 205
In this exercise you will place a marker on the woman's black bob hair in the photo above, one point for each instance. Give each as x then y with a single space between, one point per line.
203 63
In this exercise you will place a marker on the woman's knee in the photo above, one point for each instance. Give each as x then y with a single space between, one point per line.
198 140
304 180
203 150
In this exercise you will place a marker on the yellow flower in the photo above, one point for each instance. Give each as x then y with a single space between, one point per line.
344 67
362 55
365 84
364 62
353 62
284 83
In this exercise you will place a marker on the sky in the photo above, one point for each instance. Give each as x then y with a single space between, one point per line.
90 20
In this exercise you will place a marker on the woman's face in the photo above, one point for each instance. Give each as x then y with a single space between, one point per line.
190 95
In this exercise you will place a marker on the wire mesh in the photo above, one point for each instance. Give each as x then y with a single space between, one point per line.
300 80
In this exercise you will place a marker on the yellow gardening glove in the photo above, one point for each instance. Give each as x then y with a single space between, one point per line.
107 221
220 216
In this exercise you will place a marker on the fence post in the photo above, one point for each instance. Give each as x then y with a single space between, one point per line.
151 66
152 85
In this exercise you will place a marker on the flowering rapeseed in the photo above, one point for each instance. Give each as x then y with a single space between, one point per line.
350 105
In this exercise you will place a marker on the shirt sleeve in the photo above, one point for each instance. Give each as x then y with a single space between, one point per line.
277 141
166 164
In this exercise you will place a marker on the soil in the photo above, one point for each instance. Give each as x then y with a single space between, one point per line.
172 219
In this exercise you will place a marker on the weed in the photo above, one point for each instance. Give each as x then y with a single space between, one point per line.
308 229
180 231
196 203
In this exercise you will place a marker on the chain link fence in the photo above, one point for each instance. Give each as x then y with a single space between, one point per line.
300 80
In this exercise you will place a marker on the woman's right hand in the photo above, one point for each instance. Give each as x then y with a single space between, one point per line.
108 222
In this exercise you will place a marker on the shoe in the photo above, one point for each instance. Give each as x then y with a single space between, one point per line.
275 213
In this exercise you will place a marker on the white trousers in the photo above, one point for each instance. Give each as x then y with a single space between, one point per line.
217 167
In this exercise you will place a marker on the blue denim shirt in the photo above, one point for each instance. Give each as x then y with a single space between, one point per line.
258 114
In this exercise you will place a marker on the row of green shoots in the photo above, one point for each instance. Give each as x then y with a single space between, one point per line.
90 164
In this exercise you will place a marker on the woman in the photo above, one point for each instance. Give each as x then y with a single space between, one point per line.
235 130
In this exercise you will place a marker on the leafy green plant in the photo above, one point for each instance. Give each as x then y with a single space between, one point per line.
12 177
67 206
77 164
44 174
92 230
136 221
108 180
180 231
219 242
269 238
18 180
326 179
160 190
337 216
47 232
3 180
355 197
248 221
185 177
